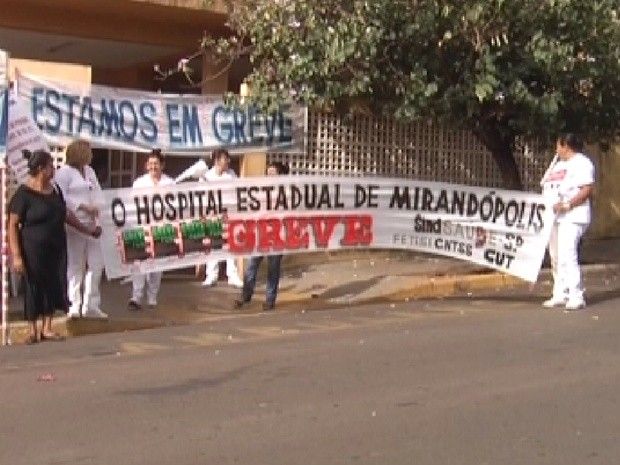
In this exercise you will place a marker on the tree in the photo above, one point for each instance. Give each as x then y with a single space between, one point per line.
503 69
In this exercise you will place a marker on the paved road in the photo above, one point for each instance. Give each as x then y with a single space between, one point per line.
457 381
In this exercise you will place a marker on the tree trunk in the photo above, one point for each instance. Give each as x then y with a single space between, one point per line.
502 149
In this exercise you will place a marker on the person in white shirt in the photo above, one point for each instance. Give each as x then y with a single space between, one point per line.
568 184
220 171
150 282
82 192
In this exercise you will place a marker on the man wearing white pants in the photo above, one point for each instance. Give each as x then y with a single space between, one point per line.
81 190
568 183
149 282
220 171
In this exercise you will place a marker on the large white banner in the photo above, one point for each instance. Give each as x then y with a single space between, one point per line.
4 81
138 121
22 135
179 226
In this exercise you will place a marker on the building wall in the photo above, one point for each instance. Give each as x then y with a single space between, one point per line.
54 71
135 77
121 21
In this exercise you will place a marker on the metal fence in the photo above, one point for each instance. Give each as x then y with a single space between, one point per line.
371 146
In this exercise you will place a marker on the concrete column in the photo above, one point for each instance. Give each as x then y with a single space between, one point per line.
606 211
252 164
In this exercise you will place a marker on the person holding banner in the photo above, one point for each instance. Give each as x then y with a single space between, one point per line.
149 282
220 171
37 238
568 184
81 190
273 262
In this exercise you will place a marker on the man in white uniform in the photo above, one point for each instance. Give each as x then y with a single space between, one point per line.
568 184
154 177
81 191
220 171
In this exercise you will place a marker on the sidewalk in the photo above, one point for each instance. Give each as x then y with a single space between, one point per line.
328 280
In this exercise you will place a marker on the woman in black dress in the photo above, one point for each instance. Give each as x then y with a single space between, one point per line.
37 216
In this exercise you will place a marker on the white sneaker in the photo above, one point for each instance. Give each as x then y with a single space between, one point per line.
152 303
575 304
95 314
555 302
235 281
209 281
73 315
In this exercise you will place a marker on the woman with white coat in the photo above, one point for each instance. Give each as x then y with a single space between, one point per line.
81 190
149 283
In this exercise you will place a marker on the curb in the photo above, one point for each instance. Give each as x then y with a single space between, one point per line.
441 287
446 286
433 288
82 327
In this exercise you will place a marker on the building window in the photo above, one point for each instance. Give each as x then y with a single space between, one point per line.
121 168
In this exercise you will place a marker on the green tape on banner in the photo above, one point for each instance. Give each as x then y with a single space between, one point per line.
165 234
134 238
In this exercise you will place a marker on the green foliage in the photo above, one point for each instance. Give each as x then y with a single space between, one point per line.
512 68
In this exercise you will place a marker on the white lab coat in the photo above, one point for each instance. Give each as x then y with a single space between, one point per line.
212 175
147 181
150 282
84 257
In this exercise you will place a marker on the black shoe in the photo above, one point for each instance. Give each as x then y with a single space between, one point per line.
133 305
267 307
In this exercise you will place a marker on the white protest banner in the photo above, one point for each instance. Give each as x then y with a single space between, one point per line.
183 225
4 302
4 95
138 121
23 134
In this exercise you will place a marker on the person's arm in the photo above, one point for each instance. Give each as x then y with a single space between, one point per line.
197 170
72 220
585 192
16 251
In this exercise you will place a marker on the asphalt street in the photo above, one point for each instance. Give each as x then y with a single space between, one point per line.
455 381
